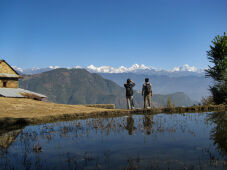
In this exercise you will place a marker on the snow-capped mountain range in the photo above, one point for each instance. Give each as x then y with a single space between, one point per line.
141 68
187 79
137 69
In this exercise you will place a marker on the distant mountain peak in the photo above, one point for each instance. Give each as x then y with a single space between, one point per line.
186 67
54 67
121 69
18 69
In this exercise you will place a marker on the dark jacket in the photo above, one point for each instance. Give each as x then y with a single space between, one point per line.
129 90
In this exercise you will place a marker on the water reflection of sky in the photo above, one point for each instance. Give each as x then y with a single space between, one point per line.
174 141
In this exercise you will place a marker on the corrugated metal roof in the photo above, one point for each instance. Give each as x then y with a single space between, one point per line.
9 75
17 92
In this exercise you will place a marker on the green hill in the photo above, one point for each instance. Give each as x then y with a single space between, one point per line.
78 86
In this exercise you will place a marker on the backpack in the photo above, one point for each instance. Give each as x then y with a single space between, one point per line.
147 88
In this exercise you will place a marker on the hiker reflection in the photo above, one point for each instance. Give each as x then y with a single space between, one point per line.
219 132
148 123
130 125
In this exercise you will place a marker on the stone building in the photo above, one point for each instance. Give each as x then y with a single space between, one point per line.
9 84
8 76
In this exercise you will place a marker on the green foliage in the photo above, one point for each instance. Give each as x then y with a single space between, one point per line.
207 100
217 55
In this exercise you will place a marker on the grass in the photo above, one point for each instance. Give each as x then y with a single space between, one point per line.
21 111
27 108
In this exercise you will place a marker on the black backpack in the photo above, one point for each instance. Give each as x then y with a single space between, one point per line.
147 88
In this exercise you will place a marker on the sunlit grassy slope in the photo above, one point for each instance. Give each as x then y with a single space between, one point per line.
27 108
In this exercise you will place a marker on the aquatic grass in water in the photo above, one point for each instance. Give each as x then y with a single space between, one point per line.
162 141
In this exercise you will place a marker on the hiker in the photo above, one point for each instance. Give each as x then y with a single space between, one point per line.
147 93
129 93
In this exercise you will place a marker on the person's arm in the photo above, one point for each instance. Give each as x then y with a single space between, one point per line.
133 84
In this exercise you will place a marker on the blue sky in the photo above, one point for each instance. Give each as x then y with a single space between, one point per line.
161 33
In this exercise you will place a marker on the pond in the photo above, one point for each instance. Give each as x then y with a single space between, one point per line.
161 141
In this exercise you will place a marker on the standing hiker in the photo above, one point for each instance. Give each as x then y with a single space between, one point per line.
129 93
147 93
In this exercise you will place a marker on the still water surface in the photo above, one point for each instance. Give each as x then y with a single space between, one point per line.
162 141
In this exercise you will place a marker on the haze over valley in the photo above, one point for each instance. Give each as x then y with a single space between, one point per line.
187 79
78 86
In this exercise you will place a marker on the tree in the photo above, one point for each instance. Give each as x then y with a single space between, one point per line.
217 55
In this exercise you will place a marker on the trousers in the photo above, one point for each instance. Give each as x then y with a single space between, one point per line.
147 98
130 104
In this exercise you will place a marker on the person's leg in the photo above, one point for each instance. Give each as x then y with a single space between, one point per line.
149 100
144 101
132 103
128 102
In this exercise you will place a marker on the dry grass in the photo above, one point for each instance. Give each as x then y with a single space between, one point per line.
17 112
27 108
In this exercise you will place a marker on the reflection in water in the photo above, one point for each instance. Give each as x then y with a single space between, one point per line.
219 132
147 123
173 141
130 125
7 138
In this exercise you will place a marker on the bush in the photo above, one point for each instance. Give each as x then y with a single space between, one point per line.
207 100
